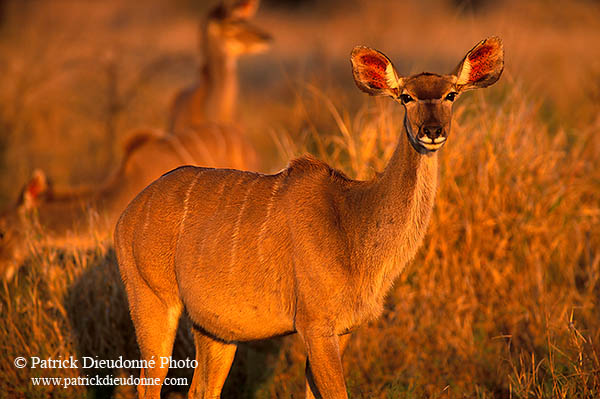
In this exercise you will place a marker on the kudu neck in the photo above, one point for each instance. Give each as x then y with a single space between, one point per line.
407 172
221 82
395 210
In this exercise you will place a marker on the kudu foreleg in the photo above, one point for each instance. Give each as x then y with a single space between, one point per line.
325 376
343 344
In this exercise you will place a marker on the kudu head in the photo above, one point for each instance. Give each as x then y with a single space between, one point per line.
428 97
228 31
15 222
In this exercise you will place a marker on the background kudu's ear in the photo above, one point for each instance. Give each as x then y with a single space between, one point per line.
482 66
374 73
34 189
243 9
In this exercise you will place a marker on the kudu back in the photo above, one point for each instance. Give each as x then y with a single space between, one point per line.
307 250
79 218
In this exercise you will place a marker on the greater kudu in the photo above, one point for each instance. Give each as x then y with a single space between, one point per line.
307 250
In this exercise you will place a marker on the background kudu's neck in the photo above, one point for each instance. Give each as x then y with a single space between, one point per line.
395 211
221 82
65 216
83 211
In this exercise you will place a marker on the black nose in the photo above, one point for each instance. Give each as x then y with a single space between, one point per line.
433 132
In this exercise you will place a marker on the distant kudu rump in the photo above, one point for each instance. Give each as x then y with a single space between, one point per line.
307 250
75 219
227 34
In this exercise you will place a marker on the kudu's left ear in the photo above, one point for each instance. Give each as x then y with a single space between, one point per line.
374 73
482 66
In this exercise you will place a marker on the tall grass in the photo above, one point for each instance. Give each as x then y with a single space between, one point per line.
502 299
500 302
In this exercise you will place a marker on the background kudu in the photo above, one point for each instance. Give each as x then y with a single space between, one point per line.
76 219
226 34
306 250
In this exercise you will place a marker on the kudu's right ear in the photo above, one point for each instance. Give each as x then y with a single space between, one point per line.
374 73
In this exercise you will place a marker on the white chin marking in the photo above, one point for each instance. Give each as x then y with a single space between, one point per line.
432 146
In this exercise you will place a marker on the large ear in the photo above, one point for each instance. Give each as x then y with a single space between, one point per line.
37 187
242 9
374 73
482 66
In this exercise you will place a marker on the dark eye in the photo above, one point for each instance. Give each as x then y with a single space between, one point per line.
405 98
451 96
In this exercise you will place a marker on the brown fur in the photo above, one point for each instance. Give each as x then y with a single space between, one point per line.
252 256
76 218
227 34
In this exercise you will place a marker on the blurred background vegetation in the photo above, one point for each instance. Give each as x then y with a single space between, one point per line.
502 300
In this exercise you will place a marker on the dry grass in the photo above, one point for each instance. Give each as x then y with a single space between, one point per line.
502 300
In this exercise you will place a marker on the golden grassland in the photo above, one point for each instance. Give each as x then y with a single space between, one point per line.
501 300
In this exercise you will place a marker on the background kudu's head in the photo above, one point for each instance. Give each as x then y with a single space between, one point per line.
428 97
228 31
14 224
